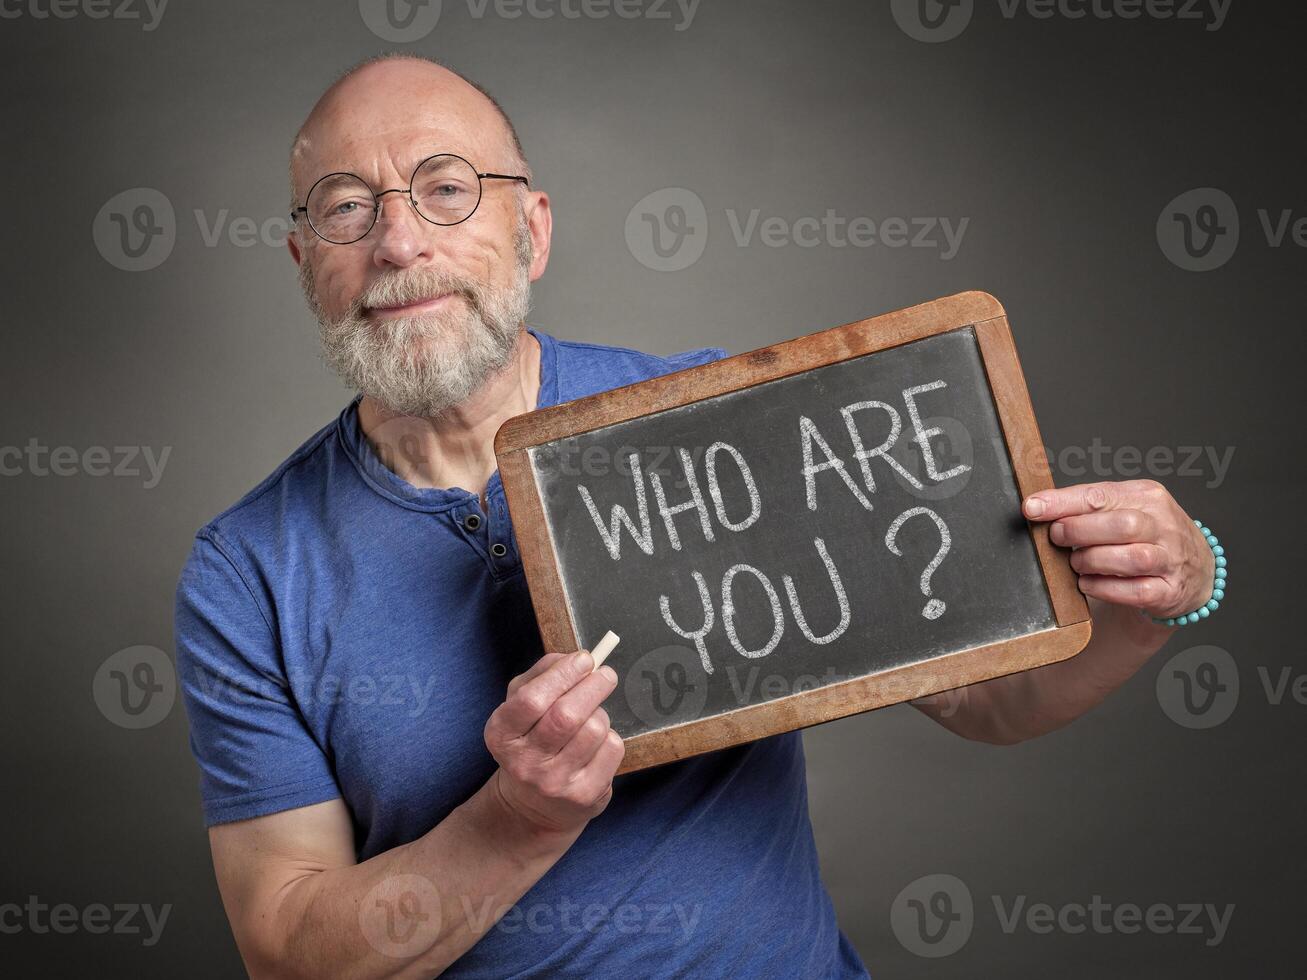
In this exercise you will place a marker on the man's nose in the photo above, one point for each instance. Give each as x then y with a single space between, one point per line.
403 237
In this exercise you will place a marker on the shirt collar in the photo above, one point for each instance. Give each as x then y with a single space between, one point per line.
384 480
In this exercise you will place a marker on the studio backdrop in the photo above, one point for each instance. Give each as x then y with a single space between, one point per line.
1125 176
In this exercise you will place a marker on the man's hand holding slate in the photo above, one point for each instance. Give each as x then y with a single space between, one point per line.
1137 554
1134 545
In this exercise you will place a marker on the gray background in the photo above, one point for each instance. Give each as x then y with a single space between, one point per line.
1062 140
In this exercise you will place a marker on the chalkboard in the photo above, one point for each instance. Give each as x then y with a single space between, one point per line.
798 533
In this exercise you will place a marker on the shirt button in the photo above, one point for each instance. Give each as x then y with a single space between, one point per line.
472 521
498 550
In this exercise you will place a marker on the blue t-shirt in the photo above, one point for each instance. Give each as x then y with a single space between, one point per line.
341 633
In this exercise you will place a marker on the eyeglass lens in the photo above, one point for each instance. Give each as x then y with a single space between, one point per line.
445 190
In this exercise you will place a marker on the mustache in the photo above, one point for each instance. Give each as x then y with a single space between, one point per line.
404 286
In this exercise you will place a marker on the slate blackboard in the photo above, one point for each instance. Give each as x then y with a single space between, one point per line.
779 551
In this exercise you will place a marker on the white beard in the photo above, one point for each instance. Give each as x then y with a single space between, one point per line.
423 365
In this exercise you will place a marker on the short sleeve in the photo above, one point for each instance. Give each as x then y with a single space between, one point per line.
255 752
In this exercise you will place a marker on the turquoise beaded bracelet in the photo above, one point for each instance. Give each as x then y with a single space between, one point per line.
1218 586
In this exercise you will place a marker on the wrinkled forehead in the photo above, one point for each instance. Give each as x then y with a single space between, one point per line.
383 135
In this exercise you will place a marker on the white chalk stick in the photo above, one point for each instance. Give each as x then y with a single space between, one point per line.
604 647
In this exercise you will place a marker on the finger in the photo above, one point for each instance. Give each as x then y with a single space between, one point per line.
1126 560
528 704
598 773
577 753
569 712
1049 505
1142 592
534 671
1109 527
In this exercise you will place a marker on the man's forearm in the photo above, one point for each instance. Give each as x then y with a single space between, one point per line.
479 861
301 906
1019 706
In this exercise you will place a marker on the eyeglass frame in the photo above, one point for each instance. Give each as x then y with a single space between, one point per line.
378 195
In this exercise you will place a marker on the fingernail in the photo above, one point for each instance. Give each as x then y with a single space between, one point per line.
1034 506
1055 531
609 673
583 660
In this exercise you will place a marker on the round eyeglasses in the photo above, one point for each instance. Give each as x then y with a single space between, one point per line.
445 189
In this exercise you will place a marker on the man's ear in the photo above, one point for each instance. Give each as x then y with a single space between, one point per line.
294 247
540 223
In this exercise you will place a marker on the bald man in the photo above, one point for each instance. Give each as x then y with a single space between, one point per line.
398 781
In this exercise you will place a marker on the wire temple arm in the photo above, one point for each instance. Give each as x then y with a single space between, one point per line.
504 177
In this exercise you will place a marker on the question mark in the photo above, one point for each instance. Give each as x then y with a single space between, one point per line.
935 607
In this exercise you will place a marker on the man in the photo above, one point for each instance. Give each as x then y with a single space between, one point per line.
398 781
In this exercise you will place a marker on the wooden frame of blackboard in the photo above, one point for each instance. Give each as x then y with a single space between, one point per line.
978 310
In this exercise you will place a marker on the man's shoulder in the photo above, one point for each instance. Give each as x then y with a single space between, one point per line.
267 505
586 368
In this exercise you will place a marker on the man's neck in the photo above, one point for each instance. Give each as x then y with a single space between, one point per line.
456 449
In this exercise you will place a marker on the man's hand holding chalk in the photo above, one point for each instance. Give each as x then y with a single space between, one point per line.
557 753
